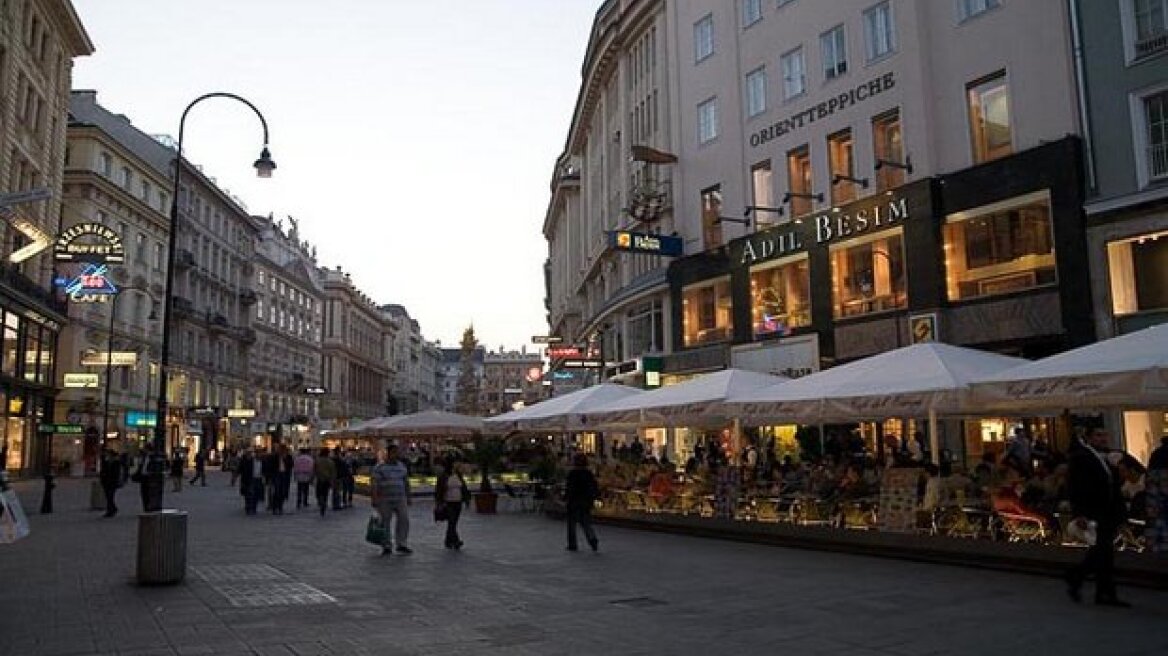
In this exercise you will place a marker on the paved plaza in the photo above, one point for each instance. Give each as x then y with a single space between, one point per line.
299 584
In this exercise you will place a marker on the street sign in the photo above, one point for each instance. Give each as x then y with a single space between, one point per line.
61 429
639 242
116 359
547 339
30 196
241 413
139 419
81 380
38 240
582 364
315 390
557 352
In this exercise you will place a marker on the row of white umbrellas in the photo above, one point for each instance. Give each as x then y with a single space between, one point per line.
1127 372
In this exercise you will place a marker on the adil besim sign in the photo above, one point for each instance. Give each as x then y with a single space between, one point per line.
829 226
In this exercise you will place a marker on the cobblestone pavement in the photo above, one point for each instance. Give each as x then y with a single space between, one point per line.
299 584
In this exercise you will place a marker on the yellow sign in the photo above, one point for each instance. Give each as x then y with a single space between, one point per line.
81 380
923 328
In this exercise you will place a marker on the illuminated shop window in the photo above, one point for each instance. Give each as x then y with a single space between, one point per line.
1136 269
780 297
842 163
867 275
1000 248
799 180
888 146
989 118
705 313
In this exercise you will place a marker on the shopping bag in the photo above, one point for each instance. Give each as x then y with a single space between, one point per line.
375 531
13 522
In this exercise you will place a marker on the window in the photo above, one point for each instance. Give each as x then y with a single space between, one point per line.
835 52
794 74
704 38
967 9
867 275
799 180
887 147
140 248
780 296
159 257
1136 271
756 92
107 165
841 162
1156 116
706 316
879 31
762 194
708 121
711 210
1151 22
751 12
144 190
127 177
989 118
999 248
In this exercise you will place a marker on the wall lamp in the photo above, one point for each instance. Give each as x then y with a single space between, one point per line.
799 194
731 219
906 165
760 208
839 177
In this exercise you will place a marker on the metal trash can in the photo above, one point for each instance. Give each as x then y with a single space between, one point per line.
162 547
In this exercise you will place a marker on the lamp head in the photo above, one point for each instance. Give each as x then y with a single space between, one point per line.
264 165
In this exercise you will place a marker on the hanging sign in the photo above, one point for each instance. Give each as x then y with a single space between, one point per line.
81 380
92 285
89 242
139 419
104 358
639 242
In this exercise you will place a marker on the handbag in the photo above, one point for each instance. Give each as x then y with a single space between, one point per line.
440 514
375 531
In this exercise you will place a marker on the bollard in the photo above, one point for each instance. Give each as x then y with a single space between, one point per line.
162 547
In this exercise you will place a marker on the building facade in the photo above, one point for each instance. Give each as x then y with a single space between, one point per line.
110 184
416 364
38 41
1123 76
843 178
357 353
510 380
288 316
449 369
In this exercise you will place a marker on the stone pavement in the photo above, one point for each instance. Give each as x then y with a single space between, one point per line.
300 585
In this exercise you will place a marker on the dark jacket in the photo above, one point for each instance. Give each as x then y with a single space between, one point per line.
581 489
1094 487
111 471
1159 459
246 474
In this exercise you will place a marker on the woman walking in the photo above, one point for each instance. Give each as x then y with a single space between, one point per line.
450 494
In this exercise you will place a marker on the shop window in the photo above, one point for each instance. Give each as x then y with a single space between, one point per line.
868 275
711 210
780 297
11 355
706 313
1136 272
989 118
842 163
889 150
799 180
835 52
998 249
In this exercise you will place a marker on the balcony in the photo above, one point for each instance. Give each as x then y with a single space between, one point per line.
1151 45
1158 161
245 335
248 297
217 322
183 306
184 258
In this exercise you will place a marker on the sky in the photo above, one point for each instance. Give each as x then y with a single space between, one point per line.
415 139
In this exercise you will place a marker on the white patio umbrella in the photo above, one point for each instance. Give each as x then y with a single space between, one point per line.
696 401
565 412
437 423
1125 372
920 380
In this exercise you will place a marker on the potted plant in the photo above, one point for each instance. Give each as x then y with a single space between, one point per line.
488 455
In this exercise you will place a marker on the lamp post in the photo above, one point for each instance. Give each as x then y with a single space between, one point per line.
264 167
109 355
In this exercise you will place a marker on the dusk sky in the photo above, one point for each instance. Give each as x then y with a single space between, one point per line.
415 140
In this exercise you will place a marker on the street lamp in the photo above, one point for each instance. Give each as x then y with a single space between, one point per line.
264 167
109 353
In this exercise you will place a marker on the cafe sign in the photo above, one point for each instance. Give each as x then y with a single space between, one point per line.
89 242
639 242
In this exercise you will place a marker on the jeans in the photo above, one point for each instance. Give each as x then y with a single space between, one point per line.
302 488
110 489
1100 560
322 496
453 511
251 499
348 486
583 517
401 510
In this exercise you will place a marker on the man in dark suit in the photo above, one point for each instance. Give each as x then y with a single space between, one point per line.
1095 497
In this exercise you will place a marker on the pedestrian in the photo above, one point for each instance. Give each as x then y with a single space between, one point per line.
342 472
151 477
1096 498
176 471
302 470
349 480
251 480
390 485
325 473
581 492
1156 493
451 493
111 479
200 467
233 466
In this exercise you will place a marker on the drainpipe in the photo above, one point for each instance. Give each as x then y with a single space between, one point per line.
1081 92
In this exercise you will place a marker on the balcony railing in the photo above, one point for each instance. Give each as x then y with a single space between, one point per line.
248 297
184 258
1151 45
1158 160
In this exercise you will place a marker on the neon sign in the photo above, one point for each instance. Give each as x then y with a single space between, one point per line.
89 242
92 285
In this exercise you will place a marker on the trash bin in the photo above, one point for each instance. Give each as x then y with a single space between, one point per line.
162 547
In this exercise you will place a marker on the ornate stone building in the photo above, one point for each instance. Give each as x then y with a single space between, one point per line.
357 353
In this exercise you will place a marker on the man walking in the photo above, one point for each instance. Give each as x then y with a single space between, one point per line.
200 467
111 479
302 470
581 491
325 473
1095 498
391 497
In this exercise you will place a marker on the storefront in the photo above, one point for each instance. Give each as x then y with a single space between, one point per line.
26 391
